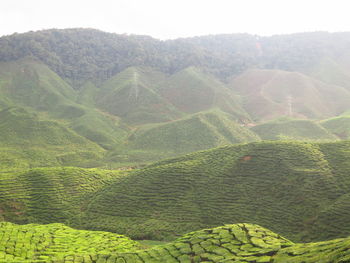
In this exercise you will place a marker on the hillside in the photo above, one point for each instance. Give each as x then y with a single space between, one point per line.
278 108
284 186
293 129
230 243
339 126
121 91
49 195
132 95
294 188
196 132
29 83
268 94
26 141
191 90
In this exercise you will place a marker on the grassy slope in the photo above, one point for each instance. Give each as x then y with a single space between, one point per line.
266 94
332 71
281 185
26 140
339 126
200 131
245 243
293 129
132 96
30 84
191 90
196 132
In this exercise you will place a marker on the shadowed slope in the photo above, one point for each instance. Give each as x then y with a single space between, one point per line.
49 195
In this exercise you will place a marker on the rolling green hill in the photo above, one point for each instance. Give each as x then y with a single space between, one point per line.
29 83
284 186
339 126
332 71
196 132
268 94
132 95
26 141
294 188
191 90
230 243
49 195
293 129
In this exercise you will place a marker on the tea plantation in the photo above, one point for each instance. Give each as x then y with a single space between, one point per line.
49 195
230 243
52 243
292 188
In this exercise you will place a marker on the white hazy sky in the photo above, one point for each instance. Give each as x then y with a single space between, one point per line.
177 18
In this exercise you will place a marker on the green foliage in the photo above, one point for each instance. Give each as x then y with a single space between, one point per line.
87 54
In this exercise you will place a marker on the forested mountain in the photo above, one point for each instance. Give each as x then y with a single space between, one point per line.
89 54
116 90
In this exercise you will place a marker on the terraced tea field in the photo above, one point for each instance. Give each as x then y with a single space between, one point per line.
293 188
243 243
298 189
49 195
56 243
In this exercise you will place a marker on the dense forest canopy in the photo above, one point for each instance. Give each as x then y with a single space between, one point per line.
79 55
